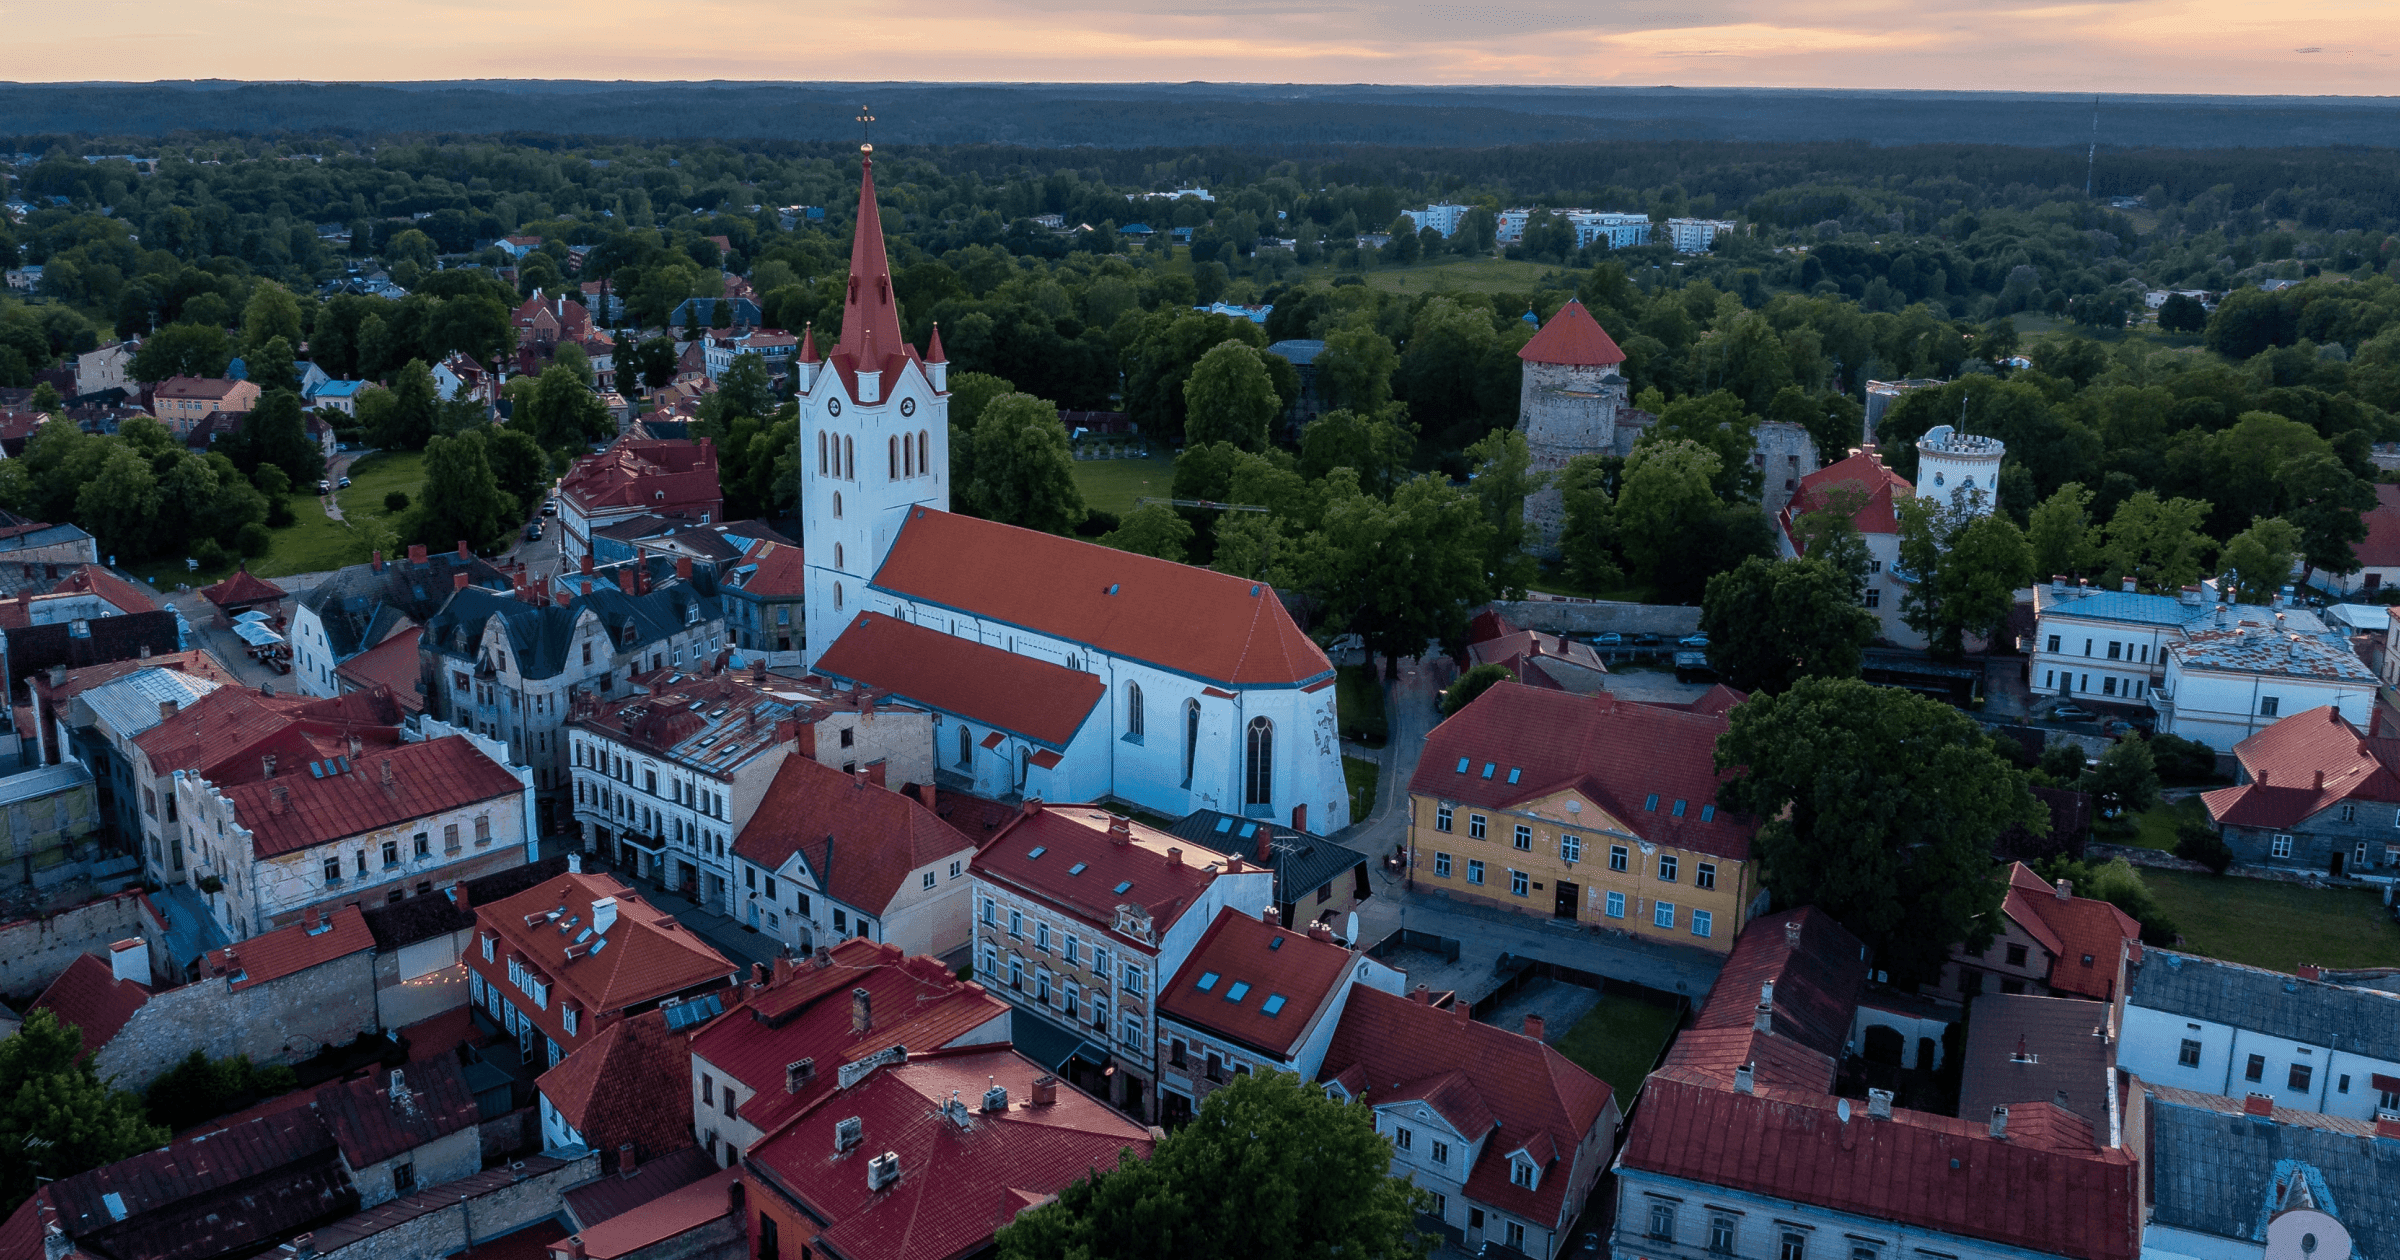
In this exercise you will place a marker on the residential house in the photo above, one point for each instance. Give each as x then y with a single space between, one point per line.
1585 808
1255 996
341 396
242 591
1507 1136
1534 658
622 1093
50 824
634 478
460 377
926 1158
421 943
1873 492
24 541
517 246
91 617
1697 236
622 1191
180 402
401 1130
702 312
328 820
854 857
360 606
555 965
1080 915
1316 880
700 1220
773 345
2224 685
2025 1048
2111 646
766 591
2313 792
665 779
392 667
814 1027
104 368
2048 941
101 727
2378 554
2249 1179
2309 1041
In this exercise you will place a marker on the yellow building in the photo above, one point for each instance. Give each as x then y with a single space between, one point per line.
1586 807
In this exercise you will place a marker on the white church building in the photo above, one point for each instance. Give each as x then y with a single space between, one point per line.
1056 668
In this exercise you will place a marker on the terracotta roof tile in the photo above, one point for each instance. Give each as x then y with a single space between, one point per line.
648 955
2302 765
297 810
291 950
631 1083
241 588
1212 626
1862 474
392 1112
1043 702
678 1211
1239 949
619 1192
861 841
93 580
2073 929
2381 547
1815 981
89 996
393 665
1572 337
1081 870
668 478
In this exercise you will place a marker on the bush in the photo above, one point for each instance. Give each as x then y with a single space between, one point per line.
2118 884
208 553
396 501
199 1089
2198 842
1471 684
254 540
2183 762
1097 522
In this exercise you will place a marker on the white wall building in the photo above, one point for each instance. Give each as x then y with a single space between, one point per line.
2222 1028
1620 230
2111 646
1442 217
1694 236
2223 686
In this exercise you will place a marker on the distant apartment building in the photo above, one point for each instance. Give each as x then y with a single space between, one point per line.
1442 217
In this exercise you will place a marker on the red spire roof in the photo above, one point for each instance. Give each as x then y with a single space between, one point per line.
933 353
808 342
870 314
1572 337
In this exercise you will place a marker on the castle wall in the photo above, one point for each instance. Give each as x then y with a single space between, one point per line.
1564 411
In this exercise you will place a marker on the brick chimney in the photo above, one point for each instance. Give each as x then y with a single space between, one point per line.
627 1162
1321 932
862 1010
2259 1105
1266 847
416 554
1421 995
1533 1026
2310 971
625 579
376 564
166 709
683 568
1045 1091
460 897
1270 917
783 968
1791 934
1120 831
1174 858
464 555
587 564
458 581
758 975
925 793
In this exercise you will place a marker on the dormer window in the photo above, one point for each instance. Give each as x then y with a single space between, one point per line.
1522 1174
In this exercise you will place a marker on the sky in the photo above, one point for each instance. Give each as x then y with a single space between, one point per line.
2300 47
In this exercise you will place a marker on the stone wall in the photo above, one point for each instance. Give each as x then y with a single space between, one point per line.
34 951
1581 618
725 1238
280 1021
473 1218
444 1159
1785 453
1563 411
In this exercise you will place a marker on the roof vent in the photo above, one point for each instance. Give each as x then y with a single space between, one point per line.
2000 1123
848 1133
1745 1079
1879 1104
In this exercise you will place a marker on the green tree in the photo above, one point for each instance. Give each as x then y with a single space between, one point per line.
1879 807
1503 479
1270 1167
1771 623
519 467
651 361
2059 529
745 389
1377 448
405 420
2260 559
1229 398
1161 359
275 434
2157 543
462 500
1666 497
559 412
1020 469
1401 575
1463 689
2182 313
2126 779
182 350
410 245
272 312
270 366
1587 540
971 392
57 1117
2118 884
1153 529
1966 570
119 504
1829 532
1354 370
45 398
573 358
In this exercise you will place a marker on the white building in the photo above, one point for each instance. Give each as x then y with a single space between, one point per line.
1960 470
1695 236
1877 490
2224 685
362 605
1211 697
1620 230
1442 217
2112 645
2216 1027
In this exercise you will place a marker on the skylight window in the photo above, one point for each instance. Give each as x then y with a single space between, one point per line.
1249 830
1489 767
1679 809
1274 1005
1038 850
1240 990
1224 825
1463 763
1079 868
1651 803
1515 773
1208 980
1123 887
1708 813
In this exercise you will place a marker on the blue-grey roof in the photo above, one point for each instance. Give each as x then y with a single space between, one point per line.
47 781
2311 1012
2215 1170
539 635
1302 862
2148 610
1298 351
360 607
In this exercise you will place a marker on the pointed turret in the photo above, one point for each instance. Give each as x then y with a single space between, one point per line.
805 370
937 363
869 310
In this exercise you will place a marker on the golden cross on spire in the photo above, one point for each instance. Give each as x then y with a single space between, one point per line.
864 120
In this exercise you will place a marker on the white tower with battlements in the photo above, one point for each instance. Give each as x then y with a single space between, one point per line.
1960 470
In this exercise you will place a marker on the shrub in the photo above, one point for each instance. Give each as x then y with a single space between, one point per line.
2196 841
2183 761
396 501
253 540
1471 684
208 553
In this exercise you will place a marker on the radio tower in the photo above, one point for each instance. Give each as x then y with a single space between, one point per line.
2094 154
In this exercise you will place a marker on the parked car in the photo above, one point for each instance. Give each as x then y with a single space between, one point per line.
1610 639
533 531
550 508
2070 713
1692 641
1647 639
344 483
324 487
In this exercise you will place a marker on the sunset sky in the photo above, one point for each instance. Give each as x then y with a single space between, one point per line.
2305 47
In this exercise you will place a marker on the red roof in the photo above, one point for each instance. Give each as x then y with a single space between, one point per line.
94 580
2074 930
1815 982
861 841
392 665
1572 337
1241 950
2381 547
298 810
871 312
219 731
631 1083
1653 768
958 1183
678 1211
1214 626
2303 765
1484 1078
241 588
665 477
1043 702
648 956
1919 1169
390 1112
202 387
774 568
1066 855
1862 474
89 996
291 950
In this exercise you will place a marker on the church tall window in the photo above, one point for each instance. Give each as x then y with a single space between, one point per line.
891 450
837 556
837 597
849 459
1133 710
820 452
1191 738
966 745
1260 769
908 457
924 460
837 505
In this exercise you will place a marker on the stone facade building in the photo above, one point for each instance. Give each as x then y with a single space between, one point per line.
2313 792
1570 404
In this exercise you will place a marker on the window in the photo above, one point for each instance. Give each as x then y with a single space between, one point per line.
1704 875
1617 857
2054 643
1016 923
1516 1234
1403 1139
1524 838
1720 1234
1133 980
1441 866
1794 1247
2387 1100
1441 818
1874 597
708 1090
990 913
1703 922
1259 781
1616 905
954 869
1130 1031
1016 974
1666 867
1520 1174
404 1178
1517 883
1475 823
1474 872
1191 738
1133 712
929 879
2189 1055
391 853
2016 955
2297 1080
1074 951
987 960
2281 847
2349 813
2267 706
2256 1069
1441 1152
1662 913
333 869
1861 1249
2113 646
1662 1221
424 845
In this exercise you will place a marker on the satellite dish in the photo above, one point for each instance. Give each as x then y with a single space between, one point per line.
1352 935
1842 1109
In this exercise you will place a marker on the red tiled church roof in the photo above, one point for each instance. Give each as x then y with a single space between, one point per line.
1574 338
1033 698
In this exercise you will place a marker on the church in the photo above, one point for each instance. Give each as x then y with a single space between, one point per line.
1056 668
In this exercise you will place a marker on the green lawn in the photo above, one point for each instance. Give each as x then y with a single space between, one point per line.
313 542
1111 485
1359 698
2268 923
1619 1041
374 476
1363 776
2156 828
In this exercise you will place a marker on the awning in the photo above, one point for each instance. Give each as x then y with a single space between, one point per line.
1051 1044
253 615
257 635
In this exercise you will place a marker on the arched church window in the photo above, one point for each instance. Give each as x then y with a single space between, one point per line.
837 556
1133 710
837 505
820 452
1259 776
837 597
849 459
1191 738
891 450
924 460
966 745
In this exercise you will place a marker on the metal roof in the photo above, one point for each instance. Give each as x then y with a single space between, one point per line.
129 705
2219 1171
2311 1012
47 781
2285 653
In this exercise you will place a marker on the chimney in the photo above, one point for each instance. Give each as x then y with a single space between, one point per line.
683 568
862 1010
2224 617
2022 1055
798 1073
574 864
625 579
2387 1129
2320 780
1045 1091
641 578
127 960
1762 1018
1533 1027
2259 1105
563 596
1421 995
2128 585
758 975
783 968
1266 848
55 1245
2310 971
58 675
1879 1104
2188 595
925 794
573 1248
266 765
604 914
1234 865
1174 858
2000 1123
1271 917
884 1169
1321 932
1120 830
587 564
376 564
1791 934
996 1098
458 581
301 1247
387 773
464 555
627 1161
356 746
2066 890
1745 1079
166 709
859 776
416 555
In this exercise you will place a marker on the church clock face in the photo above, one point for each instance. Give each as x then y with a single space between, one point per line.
833 406
908 406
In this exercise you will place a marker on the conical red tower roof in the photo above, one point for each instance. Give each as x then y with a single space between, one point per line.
933 353
870 306
1572 337
808 343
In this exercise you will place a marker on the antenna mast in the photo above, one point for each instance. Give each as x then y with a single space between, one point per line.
2093 155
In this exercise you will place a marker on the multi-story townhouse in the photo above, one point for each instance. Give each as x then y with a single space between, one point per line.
1585 808
357 607
637 477
2313 793
2111 646
1081 914
2309 1041
2047 941
828 856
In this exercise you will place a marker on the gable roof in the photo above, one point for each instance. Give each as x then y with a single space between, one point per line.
390 1113
860 840
666 478
89 996
288 951
223 1191
2303 765
34 649
678 1211
1238 970
2380 549
361 604
1639 762
1572 337
95 580
414 919
2312 1012
2222 1172
1471 1071
241 587
540 636
630 1083
2084 935
1863 474
648 954
387 786
1194 621
392 665
604 1198
1024 695
1301 861
1069 856
1808 970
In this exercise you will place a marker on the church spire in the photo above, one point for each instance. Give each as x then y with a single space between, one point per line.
869 307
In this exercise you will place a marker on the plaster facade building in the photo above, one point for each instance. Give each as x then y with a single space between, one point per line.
2225 685
2313 793
359 607
2253 1179
637 477
2048 942
1960 471
829 856
2111 647
2306 1041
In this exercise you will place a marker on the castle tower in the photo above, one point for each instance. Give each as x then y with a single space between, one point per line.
874 433
1960 470
1567 407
